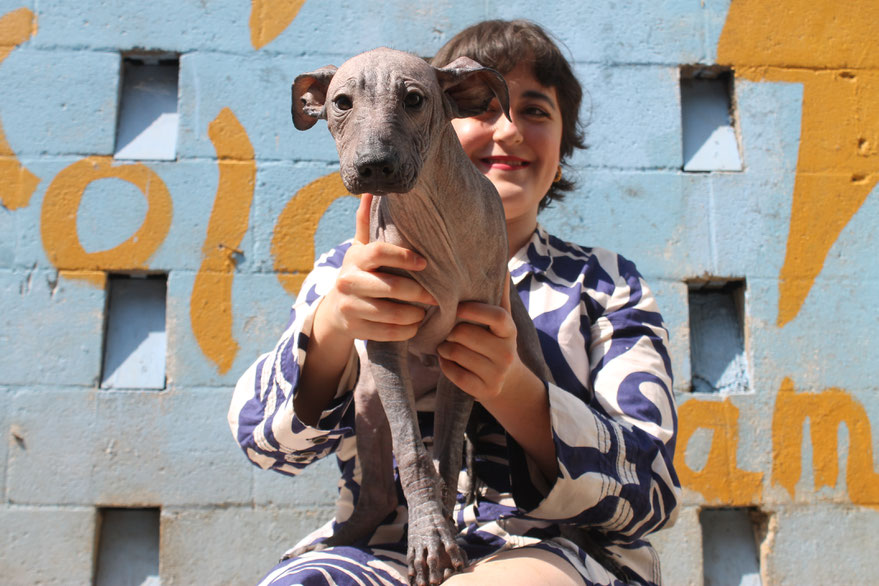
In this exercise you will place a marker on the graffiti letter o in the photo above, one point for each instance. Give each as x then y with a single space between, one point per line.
61 205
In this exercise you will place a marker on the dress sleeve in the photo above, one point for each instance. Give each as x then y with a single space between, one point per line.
262 416
612 410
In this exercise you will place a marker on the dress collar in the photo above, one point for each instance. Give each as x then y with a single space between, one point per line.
533 256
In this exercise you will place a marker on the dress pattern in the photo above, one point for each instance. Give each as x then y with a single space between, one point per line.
613 421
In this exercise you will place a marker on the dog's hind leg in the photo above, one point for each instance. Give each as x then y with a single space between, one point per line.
378 494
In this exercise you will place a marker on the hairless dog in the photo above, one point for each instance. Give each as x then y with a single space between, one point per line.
390 114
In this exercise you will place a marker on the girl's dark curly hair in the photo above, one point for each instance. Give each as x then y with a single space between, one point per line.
502 45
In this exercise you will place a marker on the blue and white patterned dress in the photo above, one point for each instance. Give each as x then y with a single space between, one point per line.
613 422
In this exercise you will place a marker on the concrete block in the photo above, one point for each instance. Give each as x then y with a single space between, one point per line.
339 28
660 207
736 457
671 296
47 545
193 186
235 545
260 310
797 351
769 116
667 32
52 328
277 185
210 82
680 549
179 450
64 102
51 461
804 539
165 26
748 219
633 115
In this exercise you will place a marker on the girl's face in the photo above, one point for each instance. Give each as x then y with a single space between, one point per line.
521 157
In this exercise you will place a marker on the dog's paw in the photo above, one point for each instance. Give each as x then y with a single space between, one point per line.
433 553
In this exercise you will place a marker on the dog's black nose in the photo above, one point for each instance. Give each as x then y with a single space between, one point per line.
377 169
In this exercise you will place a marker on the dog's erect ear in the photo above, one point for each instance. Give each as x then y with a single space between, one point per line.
470 87
310 96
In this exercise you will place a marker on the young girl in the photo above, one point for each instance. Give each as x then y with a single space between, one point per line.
573 474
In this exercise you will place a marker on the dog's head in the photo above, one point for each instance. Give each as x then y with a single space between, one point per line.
384 107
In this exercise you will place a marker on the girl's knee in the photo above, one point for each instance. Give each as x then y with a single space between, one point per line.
522 566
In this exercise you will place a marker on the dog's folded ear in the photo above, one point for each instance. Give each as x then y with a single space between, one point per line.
469 87
310 96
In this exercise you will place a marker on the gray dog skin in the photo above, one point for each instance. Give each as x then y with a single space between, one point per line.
390 114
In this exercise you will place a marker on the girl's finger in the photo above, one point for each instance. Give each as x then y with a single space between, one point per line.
376 255
377 285
472 361
361 219
505 295
497 318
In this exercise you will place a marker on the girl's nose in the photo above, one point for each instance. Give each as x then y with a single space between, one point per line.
506 131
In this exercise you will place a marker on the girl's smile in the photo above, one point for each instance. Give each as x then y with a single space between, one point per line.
503 163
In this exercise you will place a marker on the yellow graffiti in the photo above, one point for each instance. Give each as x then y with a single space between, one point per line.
833 50
61 205
825 412
293 239
96 278
269 18
720 480
210 306
17 184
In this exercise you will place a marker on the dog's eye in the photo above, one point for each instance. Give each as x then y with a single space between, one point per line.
342 102
413 100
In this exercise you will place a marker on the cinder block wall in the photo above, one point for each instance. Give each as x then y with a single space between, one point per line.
779 477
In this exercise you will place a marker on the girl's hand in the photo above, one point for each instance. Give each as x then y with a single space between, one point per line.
365 302
480 360
484 363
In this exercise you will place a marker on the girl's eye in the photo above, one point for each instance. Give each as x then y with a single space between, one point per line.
535 111
413 100
342 102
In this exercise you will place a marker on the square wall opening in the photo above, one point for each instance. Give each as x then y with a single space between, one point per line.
708 120
718 362
128 547
135 338
148 116
731 540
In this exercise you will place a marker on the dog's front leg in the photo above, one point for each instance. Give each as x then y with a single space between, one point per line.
433 554
450 421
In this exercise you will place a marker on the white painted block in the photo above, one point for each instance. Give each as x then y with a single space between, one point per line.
709 138
134 354
148 117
